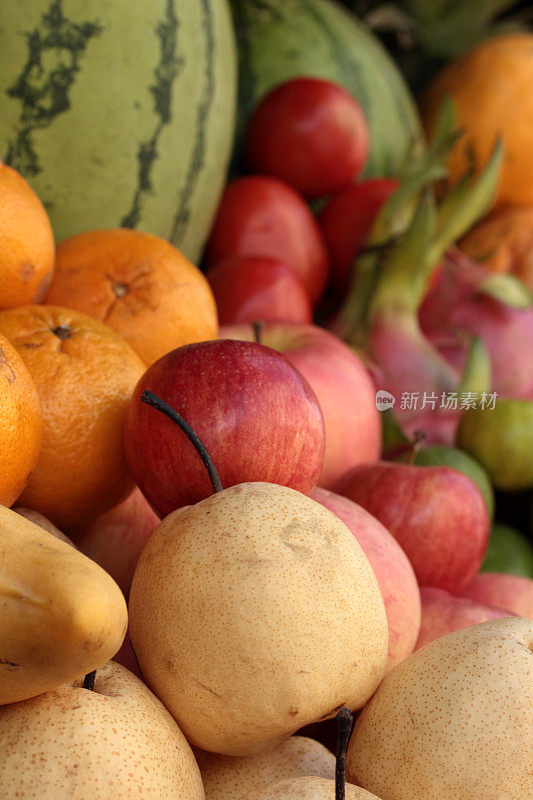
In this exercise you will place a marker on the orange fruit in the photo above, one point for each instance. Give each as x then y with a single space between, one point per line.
139 285
26 242
84 374
503 242
491 86
21 424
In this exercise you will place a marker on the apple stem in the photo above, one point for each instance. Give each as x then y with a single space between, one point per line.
416 445
258 330
344 729
88 681
152 400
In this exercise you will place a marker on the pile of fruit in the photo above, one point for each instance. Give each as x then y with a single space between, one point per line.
266 419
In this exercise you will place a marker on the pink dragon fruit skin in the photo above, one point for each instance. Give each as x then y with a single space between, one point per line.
457 309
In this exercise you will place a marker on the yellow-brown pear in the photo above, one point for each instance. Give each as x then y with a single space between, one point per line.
306 789
253 613
229 777
454 721
61 615
117 742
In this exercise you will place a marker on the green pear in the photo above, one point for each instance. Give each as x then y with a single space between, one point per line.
229 777
116 742
253 613
61 615
502 441
508 551
306 789
452 721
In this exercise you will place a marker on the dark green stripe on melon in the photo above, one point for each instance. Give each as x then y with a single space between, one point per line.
120 113
164 74
281 39
44 92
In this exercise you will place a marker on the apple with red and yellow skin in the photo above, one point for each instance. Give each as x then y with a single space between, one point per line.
512 592
342 384
443 613
115 539
436 514
257 416
247 288
392 568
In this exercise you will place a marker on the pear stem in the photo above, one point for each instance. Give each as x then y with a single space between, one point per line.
88 681
258 329
344 729
152 400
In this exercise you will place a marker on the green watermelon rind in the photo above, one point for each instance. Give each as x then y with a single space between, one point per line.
120 114
281 39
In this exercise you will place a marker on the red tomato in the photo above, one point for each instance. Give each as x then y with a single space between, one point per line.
346 222
261 216
250 288
310 133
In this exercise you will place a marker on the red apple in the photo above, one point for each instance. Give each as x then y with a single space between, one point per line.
342 384
115 539
512 592
257 416
263 216
247 288
437 515
443 613
395 574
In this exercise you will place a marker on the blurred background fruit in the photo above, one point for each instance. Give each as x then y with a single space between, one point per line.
84 374
139 285
26 242
508 551
21 424
282 39
503 242
502 441
310 133
490 86
263 216
120 124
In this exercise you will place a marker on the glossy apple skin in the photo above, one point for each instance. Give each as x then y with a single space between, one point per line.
115 539
436 514
342 384
249 288
256 415
262 216
511 592
309 132
443 613
392 568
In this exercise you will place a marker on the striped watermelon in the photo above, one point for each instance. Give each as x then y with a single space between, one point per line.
120 113
281 39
